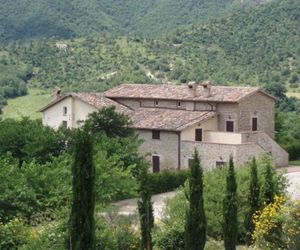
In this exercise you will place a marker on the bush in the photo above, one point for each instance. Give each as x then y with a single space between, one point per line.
214 185
14 234
166 181
278 225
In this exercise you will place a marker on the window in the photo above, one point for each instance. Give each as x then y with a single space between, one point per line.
65 124
190 162
178 104
198 134
254 123
229 126
155 164
156 134
220 164
65 110
156 103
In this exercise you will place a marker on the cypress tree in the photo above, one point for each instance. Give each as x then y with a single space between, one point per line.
195 227
230 224
145 211
268 186
83 203
253 200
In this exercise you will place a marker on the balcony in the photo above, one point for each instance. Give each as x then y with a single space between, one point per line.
222 137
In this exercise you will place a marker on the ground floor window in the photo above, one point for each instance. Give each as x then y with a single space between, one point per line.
155 164
220 164
190 162
65 124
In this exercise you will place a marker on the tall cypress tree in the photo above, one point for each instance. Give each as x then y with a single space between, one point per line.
82 213
230 226
268 186
195 227
145 211
253 200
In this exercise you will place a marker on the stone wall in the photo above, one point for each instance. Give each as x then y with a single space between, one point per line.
260 106
210 153
132 103
166 148
228 112
281 157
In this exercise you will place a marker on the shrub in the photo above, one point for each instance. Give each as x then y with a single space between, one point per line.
214 186
166 181
277 226
14 234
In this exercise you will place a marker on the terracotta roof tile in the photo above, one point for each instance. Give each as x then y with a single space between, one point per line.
96 100
180 92
167 119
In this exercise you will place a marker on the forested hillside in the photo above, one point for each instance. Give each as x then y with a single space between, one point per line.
25 19
254 46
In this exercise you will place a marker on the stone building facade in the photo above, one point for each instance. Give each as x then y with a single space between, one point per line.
173 120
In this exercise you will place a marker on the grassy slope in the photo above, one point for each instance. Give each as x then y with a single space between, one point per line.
293 94
27 105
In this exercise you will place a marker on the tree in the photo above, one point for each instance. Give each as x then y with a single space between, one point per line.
268 191
83 203
195 227
110 122
230 226
145 210
253 200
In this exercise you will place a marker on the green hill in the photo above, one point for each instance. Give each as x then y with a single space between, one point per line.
27 19
254 45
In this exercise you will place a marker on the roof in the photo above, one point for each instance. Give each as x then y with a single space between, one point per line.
167 119
96 100
181 92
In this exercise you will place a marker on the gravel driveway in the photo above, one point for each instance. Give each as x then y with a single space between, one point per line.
129 207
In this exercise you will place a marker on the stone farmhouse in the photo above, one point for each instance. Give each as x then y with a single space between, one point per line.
173 120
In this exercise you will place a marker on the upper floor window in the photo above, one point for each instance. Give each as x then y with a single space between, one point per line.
65 110
198 134
254 123
229 126
156 134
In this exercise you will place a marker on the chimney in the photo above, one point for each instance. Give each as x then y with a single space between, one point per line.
57 93
206 88
192 89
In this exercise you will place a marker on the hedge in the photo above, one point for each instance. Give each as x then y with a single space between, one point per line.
166 181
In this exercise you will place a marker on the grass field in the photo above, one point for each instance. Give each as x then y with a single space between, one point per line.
293 94
294 163
27 105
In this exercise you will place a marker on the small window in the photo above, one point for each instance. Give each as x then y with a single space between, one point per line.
254 123
65 110
156 134
155 164
65 124
178 104
190 162
156 103
198 134
229 126
220 164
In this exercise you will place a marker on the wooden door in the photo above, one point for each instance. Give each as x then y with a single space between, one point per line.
254 124
155 163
